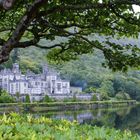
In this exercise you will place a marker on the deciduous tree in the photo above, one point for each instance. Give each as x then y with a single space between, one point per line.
27 22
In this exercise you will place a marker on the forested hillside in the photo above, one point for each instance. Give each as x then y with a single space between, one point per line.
86 72
89 73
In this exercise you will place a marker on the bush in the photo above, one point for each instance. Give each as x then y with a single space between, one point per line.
66 100
17 96
103 96
122 96
47 99
74 99
27 98
127 96
90 90
6 97
94 98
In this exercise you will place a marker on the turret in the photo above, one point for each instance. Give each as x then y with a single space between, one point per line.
15 68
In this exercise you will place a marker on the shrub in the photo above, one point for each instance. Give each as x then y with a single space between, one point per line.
74 99
104 96
66 100
122 96
47 99
17 96
6 97
27 98
90 90
94 97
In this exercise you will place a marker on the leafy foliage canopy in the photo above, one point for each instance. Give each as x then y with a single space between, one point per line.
78 22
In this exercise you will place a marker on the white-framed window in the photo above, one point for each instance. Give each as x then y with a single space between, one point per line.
16 86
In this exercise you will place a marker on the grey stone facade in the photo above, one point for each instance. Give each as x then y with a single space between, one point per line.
36 85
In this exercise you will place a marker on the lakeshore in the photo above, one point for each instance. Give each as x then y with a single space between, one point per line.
55 106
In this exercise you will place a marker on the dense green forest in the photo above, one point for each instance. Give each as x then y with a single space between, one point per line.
86 72
89 73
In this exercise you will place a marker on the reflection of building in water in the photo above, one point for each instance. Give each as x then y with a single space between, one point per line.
81 117
36 85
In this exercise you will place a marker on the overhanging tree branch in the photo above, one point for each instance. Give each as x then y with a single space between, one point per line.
49 47
20 29
46 19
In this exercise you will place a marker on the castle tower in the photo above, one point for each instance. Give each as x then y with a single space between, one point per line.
15 68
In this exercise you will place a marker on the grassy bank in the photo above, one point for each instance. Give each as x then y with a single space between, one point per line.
67 105
80 105
16 127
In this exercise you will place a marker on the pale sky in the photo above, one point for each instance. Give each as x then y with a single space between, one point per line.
136 8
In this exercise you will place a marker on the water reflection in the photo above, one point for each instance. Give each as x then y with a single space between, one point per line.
120 118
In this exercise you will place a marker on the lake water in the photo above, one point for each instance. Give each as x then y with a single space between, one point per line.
119 118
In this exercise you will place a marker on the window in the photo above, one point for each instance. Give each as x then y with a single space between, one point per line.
59 86
36 83
16 86
12 88
53 82
25 84
65 85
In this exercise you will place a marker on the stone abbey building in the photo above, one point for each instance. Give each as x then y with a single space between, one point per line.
36 85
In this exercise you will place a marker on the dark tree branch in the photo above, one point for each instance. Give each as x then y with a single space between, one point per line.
49 47
26 43
33 15
129 20
20 29
2 41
